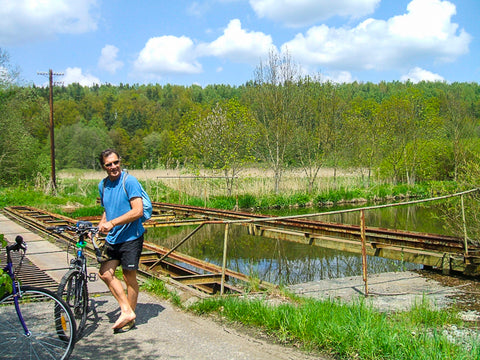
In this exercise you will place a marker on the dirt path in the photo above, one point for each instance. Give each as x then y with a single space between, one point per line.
164 332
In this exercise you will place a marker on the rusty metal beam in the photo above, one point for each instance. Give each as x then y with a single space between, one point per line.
152 260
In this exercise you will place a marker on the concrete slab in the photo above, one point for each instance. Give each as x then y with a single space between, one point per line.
394 291
49 257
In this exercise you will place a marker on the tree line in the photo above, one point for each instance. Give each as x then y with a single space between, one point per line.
281 119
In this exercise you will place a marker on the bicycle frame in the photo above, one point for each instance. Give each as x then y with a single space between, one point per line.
80 260
19 245
73 288
81 229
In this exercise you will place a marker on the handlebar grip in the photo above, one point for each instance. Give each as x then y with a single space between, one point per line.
58 229
19 244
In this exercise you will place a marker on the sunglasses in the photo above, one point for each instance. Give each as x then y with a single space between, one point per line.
116 162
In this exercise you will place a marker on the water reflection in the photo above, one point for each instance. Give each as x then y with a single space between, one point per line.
420 218
283 262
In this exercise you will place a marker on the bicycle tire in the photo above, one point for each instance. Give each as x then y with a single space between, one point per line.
49 320
74 291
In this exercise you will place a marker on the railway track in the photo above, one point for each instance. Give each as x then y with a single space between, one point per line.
157 261
380 236
431 250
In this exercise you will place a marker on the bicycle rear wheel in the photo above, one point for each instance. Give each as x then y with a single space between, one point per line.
74 291
50 322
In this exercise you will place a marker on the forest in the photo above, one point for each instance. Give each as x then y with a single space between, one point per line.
280 119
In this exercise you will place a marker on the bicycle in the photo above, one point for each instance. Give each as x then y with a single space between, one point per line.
34 322
73 287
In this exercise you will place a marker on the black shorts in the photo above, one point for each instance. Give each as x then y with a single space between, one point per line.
128 253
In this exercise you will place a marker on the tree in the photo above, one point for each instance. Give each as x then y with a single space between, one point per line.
9 74
308 148
329 111
225 139
406 121
459 126
275 99
21 157
361 132
78 145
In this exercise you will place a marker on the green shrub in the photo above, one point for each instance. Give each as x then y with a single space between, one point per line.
223 202
300 199
247 201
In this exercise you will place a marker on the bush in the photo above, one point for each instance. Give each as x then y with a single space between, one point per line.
247 201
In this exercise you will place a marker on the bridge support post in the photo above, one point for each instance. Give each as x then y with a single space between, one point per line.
224 262
364 250
446 264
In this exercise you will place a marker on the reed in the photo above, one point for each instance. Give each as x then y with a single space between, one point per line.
77 197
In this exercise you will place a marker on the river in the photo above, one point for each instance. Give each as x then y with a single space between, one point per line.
286 263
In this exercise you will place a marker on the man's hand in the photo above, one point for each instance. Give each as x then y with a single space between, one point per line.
105 227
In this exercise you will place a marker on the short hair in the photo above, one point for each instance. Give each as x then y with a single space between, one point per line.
106 153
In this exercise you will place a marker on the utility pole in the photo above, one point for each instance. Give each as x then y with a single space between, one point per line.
52 137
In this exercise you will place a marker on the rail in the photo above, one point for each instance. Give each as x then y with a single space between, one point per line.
444 252
182 270
439 251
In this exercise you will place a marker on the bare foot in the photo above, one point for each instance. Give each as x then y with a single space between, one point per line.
123 320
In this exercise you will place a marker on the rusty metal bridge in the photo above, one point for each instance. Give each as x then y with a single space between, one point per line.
443 252
431 250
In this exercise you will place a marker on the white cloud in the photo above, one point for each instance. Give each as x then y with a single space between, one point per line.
339 77
171 54
308 12
167 54
23 21
197 9
108 59
238 45
75 75
398 43
417 74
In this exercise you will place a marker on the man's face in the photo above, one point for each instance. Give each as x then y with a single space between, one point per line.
111 165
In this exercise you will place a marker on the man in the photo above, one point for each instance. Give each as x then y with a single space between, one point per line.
121 222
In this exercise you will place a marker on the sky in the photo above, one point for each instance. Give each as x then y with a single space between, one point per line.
207 42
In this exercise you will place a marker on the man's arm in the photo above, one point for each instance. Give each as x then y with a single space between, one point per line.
103 220
135 213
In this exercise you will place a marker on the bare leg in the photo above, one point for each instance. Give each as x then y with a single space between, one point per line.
130 277
107 274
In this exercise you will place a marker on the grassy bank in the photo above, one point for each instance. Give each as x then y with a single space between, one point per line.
343 330
78 197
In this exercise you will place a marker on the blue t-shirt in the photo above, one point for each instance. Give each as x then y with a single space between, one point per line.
115 202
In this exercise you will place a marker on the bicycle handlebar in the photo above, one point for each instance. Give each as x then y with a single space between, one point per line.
20 244
81 227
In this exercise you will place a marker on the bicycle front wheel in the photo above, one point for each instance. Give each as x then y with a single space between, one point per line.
50 323
74 291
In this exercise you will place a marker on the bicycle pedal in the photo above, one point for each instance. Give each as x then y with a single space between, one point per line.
92 277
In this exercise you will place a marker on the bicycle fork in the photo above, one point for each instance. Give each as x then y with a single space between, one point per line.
16 294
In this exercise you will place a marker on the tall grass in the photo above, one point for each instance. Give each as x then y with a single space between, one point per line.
78 196
348 330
